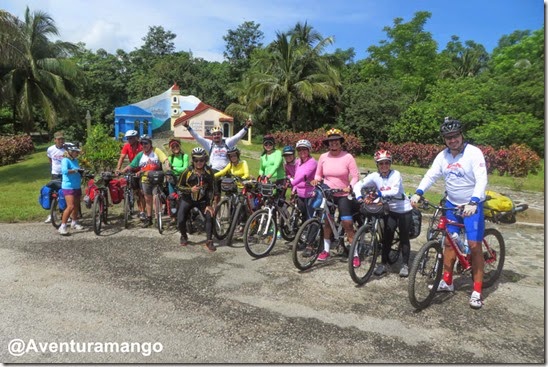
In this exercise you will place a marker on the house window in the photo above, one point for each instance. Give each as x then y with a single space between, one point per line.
208 125
226 130
175 100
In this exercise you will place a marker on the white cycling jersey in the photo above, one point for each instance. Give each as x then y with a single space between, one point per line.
465 174
392 185
218 158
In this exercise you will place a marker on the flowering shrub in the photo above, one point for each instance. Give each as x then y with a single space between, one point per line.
14 147
517 161
351 143
521 160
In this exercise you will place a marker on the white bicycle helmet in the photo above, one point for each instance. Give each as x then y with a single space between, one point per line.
303 143
198 152
131 133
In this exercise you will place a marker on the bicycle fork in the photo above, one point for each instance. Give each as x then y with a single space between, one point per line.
264 224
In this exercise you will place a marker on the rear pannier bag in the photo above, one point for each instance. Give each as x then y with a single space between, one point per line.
416 222
45 196
116 191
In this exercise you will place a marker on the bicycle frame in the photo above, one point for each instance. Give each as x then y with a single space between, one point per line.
464 260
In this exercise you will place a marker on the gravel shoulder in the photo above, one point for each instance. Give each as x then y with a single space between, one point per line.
138 286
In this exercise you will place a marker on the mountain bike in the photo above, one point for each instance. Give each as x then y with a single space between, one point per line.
261 229
129 198
159 196
309 240
368 241
99 208
235 208
427 267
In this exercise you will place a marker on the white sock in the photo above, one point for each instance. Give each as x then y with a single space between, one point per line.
326 245
74 223
63 225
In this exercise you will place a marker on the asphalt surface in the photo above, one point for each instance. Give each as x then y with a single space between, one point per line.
186 305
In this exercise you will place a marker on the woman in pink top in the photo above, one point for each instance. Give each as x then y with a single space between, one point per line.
305 169
335 169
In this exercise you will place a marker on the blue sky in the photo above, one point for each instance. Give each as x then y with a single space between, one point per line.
201 24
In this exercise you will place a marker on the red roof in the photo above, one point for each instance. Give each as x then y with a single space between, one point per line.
199 109
175 87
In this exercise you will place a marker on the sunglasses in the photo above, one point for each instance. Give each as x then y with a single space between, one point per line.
268 143
451 137
145 143
200 160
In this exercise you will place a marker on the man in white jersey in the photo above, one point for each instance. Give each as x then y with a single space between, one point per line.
217 149
55 154
463 167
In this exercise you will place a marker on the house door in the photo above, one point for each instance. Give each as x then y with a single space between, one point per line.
226 130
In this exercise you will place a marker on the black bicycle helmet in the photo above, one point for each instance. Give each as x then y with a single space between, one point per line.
72 147
288 150
232 150
450 126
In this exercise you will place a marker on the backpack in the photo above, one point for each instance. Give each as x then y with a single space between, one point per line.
500 207
497 202
416 222
116 191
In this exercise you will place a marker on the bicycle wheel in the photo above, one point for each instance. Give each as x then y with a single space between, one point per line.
425 274
363 246
494 252
127 209
158 212
260 233
236 220
222 220
308 244
289 228
55 213
97 213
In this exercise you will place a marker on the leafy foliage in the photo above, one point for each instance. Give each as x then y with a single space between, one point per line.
101 151
351 143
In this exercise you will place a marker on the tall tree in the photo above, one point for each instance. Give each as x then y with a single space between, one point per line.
158 41
409 55
36 76
240 44
293 74
464 61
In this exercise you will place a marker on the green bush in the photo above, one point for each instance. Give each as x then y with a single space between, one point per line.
14 147
101 151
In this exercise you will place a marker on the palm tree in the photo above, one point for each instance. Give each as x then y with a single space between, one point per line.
293 72
36 75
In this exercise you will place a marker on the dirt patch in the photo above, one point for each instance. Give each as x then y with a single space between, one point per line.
531 215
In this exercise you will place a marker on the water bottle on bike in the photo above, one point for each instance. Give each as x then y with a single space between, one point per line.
461 241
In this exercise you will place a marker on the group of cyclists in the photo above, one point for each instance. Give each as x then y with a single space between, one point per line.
462 165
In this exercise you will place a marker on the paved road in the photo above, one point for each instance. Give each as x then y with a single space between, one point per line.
140 287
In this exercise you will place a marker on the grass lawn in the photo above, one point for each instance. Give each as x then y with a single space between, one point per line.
21 182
